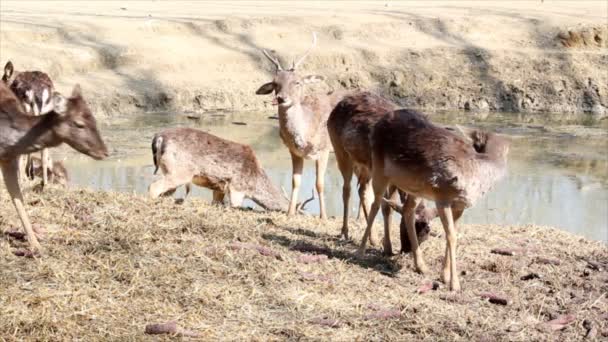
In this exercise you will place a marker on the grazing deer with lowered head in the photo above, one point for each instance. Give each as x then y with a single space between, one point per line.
57 173
186 155
69 122
428 161
34 89
350 125
303 123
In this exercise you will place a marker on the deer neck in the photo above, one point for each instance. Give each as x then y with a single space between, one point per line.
267 196
295 120
30 134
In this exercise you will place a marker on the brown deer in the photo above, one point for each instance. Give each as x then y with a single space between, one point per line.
57 173
187 155
69 122
428 161
34 89
303 123
350 125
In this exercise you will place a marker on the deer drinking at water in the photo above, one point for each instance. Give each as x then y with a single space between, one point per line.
303 123
186 155
428 161
69 122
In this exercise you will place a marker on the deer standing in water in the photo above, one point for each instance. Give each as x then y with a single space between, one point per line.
69 122
350 125
432 162
303 123
186 155
34 89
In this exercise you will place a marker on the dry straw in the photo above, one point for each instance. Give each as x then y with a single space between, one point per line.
116 263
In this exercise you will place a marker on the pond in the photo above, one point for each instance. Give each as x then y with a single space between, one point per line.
558 174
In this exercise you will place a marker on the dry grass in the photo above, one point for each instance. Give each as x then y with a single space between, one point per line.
117 262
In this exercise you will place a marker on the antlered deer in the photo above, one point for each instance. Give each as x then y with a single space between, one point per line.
303 123
432 162
69 122
350 125
34 89
186 155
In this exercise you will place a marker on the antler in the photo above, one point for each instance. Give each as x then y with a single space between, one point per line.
300 207
275 61
295 64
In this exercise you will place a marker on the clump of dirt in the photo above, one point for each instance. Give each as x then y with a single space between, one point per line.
121 265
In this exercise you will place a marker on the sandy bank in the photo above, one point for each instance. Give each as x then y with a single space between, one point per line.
200 56
117 262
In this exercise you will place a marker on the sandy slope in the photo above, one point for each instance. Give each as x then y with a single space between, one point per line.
206 55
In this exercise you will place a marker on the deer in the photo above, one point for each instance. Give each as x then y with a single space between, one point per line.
187 155
350 125
427 161
57 172
70 121
34 89
302 123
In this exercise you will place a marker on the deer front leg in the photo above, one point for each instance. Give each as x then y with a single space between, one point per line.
366 196
167 183
44 155
346 169
386 214
379 184
296 179
409 214
445 213
456 213
321 166
11 179
218 197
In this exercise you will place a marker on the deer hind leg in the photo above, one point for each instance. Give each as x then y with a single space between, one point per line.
11 179
445 213
391 194
379 184
321 166
346 169
457 213
296 179
167 184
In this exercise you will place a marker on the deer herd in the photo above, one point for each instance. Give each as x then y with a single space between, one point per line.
398 155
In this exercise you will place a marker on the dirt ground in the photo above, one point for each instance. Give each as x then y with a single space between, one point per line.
132 56
115 263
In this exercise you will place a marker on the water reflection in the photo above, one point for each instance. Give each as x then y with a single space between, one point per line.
558 176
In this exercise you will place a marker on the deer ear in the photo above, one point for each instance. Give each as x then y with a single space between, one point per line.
265 89
8 69
394 205
77 92
60 104
311 79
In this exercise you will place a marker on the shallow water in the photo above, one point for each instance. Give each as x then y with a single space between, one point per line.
558 174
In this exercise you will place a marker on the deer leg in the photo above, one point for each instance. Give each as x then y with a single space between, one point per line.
321 166
366 196
218 197
296 179
457 213
188 189
386 214
445 213
379 184
44 155
236 197
167 183
346 169
409 215
11 179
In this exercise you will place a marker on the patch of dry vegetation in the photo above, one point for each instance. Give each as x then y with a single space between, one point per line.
116 262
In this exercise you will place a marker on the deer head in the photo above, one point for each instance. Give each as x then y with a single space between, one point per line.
76 125
287 84
492 144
